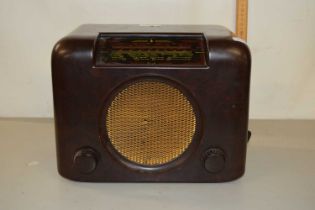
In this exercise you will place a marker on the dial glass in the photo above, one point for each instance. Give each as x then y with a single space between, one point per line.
150 49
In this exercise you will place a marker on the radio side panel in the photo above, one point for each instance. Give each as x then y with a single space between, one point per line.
230 62
71 61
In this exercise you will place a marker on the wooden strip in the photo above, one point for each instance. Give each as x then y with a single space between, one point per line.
241 18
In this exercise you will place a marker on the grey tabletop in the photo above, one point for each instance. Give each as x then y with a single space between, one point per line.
280 173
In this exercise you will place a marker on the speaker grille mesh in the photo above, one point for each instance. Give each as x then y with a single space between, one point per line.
150 122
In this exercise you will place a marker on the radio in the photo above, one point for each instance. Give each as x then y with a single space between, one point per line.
139 103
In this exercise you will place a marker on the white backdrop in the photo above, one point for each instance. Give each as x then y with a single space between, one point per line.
281 37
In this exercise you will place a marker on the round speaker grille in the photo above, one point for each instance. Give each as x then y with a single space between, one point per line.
150 122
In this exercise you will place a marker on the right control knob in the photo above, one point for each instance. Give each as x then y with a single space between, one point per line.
214 160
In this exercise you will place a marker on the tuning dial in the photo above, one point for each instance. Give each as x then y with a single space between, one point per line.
214 160
85 160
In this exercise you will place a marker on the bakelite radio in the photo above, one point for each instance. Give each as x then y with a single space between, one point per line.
151 103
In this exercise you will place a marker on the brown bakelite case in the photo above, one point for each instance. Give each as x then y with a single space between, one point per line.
88 67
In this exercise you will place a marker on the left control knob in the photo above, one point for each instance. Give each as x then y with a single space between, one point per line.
85 160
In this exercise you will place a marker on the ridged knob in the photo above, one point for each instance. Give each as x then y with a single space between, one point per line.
214 160
85 160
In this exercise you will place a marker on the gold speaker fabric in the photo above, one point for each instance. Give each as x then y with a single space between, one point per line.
150 122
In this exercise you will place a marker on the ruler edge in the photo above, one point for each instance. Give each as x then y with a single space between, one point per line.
241 19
